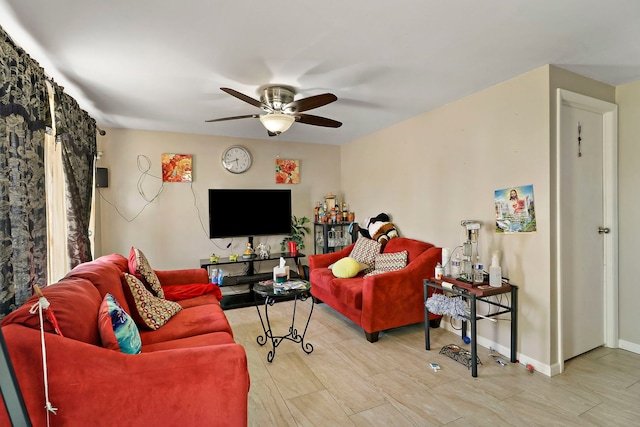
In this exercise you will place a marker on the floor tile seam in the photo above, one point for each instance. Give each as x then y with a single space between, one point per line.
344 409
400 406
281 397
337 403
287 405
366 379
593 396
586 413
386 402
634 384
281 392
555 409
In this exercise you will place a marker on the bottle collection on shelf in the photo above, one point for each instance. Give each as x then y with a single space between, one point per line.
332 212
451 267
463 268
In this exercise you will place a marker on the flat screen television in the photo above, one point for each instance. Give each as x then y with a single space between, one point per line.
248 213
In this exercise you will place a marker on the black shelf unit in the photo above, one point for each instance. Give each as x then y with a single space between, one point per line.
323 240
248 298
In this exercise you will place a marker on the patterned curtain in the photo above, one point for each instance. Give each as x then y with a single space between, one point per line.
76 132
24 114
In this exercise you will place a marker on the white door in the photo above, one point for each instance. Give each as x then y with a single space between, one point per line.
583 230
582 256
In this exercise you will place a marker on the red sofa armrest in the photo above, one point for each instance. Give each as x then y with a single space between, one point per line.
396 298
182 277
325 260
91 385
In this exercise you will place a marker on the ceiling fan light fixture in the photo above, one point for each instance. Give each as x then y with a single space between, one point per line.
277 122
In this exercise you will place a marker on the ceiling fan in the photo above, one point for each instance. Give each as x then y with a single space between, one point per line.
281 110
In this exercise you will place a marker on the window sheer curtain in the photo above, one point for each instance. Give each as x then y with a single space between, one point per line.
57 257
24 115
76 133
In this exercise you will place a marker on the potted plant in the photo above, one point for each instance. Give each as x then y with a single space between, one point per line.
298 231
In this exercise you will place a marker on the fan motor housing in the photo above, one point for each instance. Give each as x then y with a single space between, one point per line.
277 97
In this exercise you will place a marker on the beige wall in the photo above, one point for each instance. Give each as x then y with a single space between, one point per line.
173 229
434 170
439 168
628 100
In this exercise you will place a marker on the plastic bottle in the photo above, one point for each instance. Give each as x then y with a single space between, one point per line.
446 257
455 266
478 271
439 271
495 272
220 277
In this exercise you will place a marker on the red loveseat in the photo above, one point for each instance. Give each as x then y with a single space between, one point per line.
383 301
190 370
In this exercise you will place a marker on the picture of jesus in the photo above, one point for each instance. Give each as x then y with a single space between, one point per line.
516 205
515 211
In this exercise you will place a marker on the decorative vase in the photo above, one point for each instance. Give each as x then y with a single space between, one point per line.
293 247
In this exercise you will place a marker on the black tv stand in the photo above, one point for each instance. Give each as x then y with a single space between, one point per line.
253 258
251 277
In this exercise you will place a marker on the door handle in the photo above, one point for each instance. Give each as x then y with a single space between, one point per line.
604 230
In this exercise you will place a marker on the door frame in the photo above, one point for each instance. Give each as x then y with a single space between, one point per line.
609 113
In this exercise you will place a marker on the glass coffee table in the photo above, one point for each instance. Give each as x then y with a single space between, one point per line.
299 290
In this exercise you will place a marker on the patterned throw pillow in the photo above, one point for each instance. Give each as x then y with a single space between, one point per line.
147 310
365 251
143 271
389 262
118 331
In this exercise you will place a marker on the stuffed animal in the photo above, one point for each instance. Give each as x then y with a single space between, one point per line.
379 228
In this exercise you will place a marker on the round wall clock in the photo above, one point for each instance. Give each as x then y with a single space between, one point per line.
236 159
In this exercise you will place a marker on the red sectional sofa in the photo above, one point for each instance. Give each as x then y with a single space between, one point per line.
383 301
190 370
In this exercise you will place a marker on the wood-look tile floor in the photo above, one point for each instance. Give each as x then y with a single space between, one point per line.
347 381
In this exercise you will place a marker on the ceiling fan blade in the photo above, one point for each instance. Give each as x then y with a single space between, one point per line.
311 102
309 119
248 116
242 97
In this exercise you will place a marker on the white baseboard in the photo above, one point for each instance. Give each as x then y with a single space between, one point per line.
555 369
629 346
506 351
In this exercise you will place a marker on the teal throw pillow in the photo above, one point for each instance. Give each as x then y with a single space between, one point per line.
118 331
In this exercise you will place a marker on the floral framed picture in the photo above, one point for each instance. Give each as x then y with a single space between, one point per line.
176 167
287 171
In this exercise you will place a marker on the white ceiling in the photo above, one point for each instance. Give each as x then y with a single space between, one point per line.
147 64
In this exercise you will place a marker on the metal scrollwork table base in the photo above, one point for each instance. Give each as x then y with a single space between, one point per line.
272 295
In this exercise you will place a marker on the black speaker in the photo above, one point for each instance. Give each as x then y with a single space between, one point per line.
102 177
